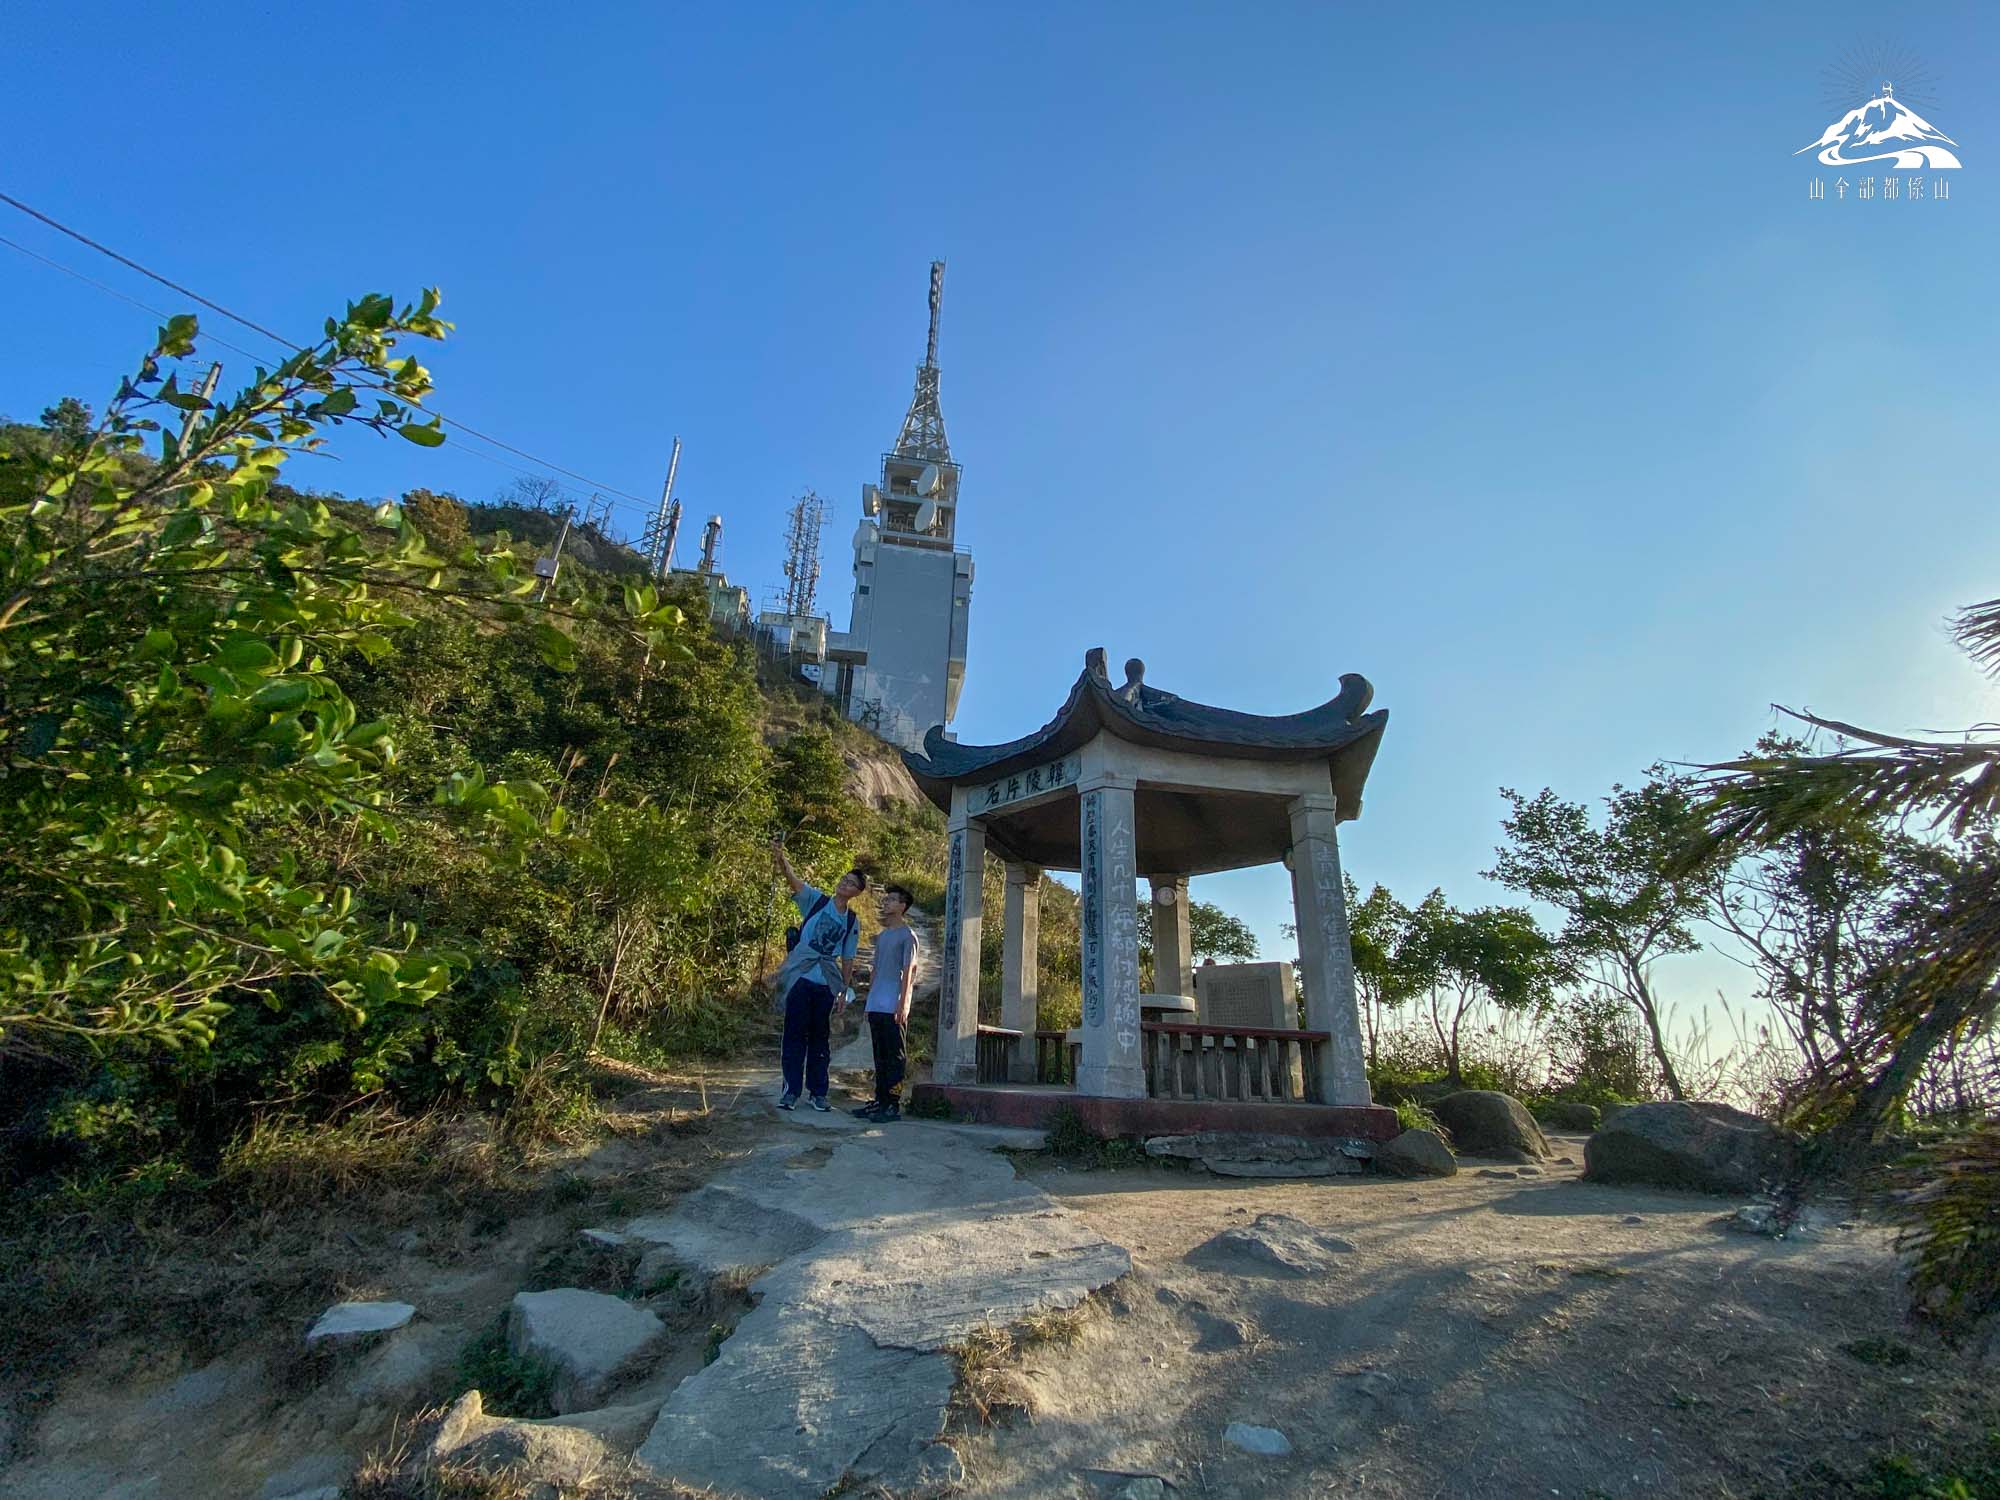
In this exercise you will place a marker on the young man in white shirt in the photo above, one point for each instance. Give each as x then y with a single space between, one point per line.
816 977
889 991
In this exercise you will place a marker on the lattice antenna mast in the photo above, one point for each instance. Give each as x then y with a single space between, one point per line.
923 429
802 554
657 545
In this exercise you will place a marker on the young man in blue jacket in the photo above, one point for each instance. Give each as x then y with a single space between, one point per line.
816 977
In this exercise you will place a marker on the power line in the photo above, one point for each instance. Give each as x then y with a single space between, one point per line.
113 291
123 260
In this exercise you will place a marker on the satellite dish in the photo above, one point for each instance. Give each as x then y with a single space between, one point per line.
865 534
927 482
871 500
927 515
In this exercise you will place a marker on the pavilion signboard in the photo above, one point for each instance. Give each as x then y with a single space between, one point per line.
1051 777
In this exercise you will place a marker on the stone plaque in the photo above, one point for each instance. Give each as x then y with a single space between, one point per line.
1260 995
1034 781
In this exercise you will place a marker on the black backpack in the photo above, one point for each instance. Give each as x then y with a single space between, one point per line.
792 933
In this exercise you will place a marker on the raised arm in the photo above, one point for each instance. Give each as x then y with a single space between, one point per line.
784 864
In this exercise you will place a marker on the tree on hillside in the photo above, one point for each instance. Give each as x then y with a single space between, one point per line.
167 625
534 492
69 422
1496 954
1378 927
1626 898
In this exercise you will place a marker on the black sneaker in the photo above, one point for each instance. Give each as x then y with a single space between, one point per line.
866 1111
886 1114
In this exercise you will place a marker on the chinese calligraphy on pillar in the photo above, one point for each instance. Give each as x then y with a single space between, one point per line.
1093 913
953 907
1123 920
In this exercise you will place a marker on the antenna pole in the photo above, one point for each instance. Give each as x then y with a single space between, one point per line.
657 545
207 389
937 300
554 560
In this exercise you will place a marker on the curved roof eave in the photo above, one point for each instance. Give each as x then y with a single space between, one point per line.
1341 729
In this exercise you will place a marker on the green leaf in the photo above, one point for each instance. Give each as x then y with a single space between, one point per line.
557 649
281 695
247 654
339 404
182 529
423 434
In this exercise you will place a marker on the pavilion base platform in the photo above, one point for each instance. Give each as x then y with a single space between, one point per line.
1036 1106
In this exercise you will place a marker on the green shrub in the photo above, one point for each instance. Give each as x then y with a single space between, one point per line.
1411 1115
509 1384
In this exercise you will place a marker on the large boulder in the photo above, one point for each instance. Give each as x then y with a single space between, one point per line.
1485 1123
590 1339
1696 1144
1416 1153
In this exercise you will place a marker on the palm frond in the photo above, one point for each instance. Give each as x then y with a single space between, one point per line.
1758 800
1976 628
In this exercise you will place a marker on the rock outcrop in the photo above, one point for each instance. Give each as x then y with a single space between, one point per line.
1485 1123
589 1338
1273 1245
1416 1153
1708 1147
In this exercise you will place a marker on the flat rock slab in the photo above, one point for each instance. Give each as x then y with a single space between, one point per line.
346 1322
1273 1245
1253 1154
897 1244
992 1137
591 1339
1252 1439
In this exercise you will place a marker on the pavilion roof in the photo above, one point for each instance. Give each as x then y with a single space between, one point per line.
1340 730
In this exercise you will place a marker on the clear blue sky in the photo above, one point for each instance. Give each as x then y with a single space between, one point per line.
1504 360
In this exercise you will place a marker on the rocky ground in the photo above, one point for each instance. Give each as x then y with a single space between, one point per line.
794 1305
1489 1334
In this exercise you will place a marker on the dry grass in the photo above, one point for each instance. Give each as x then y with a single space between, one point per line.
989 1387
397 1470
1056 1327
293 1218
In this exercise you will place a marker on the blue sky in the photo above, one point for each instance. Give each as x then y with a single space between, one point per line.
1503 360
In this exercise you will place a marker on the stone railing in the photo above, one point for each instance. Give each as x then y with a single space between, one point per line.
1055 1057
1239 1063
995 1053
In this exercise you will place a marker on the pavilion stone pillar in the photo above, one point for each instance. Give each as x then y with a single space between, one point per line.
1020 966
956 1054
1111 1065
1173 937
1320 903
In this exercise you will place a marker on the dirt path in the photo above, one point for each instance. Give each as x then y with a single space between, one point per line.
1487 1335
1495 1334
